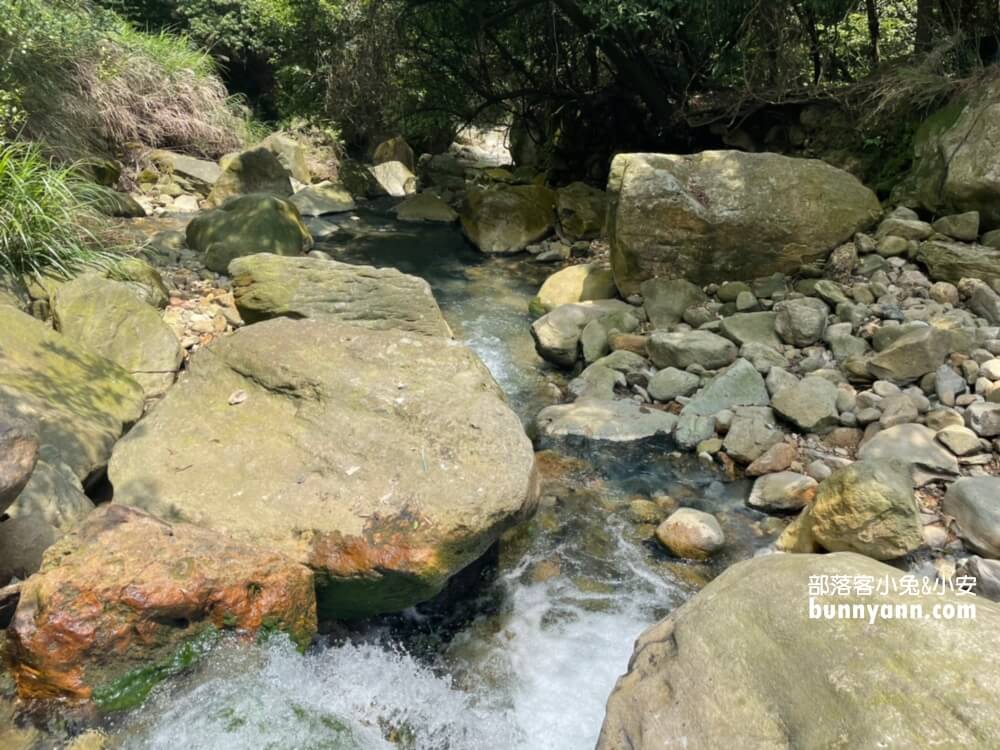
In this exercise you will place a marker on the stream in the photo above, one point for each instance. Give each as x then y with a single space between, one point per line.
529 660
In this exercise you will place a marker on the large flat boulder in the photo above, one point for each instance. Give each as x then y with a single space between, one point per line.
727 215
108 317
246 225
76 401
506 219
384 460
269 286
125 595
954 261
710 675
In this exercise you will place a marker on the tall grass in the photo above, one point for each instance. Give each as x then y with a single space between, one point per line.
45 218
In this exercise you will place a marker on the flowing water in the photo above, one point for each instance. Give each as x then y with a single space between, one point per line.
529 662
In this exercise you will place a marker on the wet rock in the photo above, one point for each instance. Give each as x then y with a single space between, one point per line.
77 402
268 286
683 349
782 492
691 534
580 283
617 421
246 225
256 170
125 594
868 507
670 383
557 334
369 455
503 220
666 300
425 207
322 199
913 444
679 216
724 642
801 322
107 317
810 404
974 503
738 385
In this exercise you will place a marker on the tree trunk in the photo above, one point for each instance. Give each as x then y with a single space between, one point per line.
874 32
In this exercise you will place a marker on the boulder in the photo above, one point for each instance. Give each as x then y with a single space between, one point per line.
691 534
580 283
913 444
425 207
51 504
801 322
557 334
705 677
246 225
782 492
18 456
615 420
395 178
323 198
668 384
954 261
269 286
581 211
665 300
974 503
77 402
256 170
126 597
291 154
108 317
963 227
738 385
370 455
686 348
727 215
869 508
395 149
144 281
752 328
112 203
200 172
981 299
984 419
751 434
506 219
911 356
810 404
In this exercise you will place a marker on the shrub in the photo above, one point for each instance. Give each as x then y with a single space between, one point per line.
46 222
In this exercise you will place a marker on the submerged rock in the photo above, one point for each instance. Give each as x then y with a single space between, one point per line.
76 401
125 598
727 215
384 460
269 286
704 678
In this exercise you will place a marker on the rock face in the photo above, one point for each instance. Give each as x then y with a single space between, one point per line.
869 508
507 219
269 286
384 460
955 154
76 401
580 283
18 456
727 214
246 225
125 593
581 210
257 170
324 198
108 317
704 677
974 503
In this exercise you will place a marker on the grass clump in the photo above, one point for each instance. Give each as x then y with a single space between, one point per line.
46 222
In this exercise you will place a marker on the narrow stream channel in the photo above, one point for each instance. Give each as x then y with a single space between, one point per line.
527 664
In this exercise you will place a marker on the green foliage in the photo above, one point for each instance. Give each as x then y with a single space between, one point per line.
43 214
